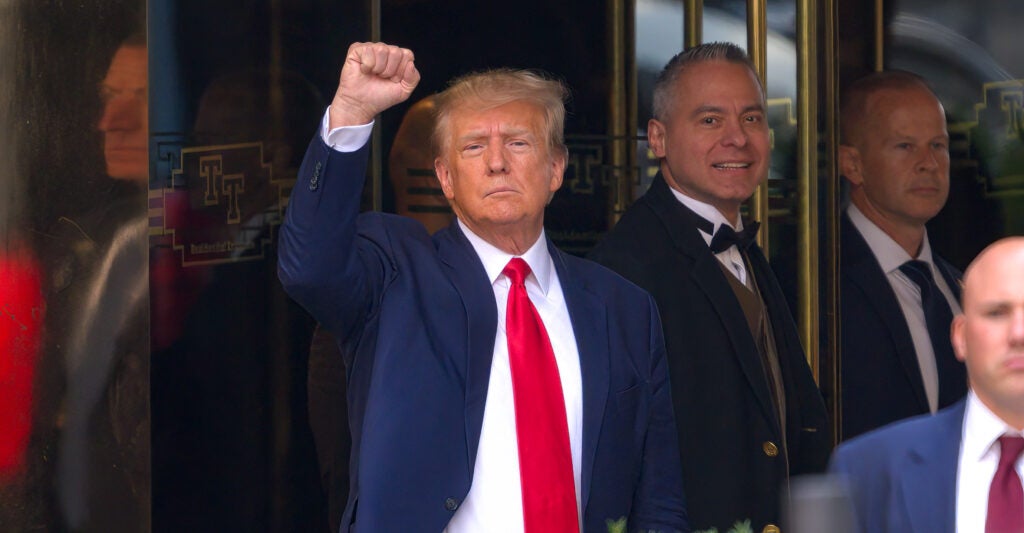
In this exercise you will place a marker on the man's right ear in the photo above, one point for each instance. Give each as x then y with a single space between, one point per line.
444 177
656 137
956 337
850 165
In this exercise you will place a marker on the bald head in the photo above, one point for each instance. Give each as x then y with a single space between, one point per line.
989 336
859 100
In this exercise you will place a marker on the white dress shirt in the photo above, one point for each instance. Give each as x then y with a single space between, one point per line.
979 458
494 502
731 256
890 256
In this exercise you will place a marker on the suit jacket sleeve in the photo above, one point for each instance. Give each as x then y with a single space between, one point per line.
321 263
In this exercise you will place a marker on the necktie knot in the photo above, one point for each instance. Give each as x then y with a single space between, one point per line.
1010 448
726 237
517 270
919 272
1005 494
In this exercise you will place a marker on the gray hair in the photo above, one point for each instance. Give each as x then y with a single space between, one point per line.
704 53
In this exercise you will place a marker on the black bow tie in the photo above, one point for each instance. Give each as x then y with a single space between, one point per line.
726 237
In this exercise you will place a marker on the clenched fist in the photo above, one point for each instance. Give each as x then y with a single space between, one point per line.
375 77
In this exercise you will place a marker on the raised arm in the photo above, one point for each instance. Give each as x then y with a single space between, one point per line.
320 262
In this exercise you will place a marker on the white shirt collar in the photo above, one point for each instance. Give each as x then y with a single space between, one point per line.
982 428
708 212
494 259
890 255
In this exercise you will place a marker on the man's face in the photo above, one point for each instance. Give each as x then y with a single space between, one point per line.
125 119
714 144
900 161
989 336
497 170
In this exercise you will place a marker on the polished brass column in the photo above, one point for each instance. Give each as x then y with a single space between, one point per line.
693 23
807 179
757 38
829 359
879 28
622 113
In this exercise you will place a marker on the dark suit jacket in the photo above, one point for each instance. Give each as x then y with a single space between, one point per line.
881 380
416 319
902 478
723 408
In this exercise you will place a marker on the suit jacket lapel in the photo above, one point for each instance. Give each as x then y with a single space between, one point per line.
929 480
707 274
861 267
467 274
590 326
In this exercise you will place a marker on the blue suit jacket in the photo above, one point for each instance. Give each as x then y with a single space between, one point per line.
415 317
881 377
902 478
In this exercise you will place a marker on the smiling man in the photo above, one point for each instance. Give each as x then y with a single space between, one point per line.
748 411
494 382
898 296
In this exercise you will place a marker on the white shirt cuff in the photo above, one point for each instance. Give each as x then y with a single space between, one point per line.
345 138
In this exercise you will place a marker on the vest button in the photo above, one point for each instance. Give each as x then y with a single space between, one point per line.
451 504
771 450
771 528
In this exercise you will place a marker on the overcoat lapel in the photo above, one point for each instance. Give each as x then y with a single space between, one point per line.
589 319
861 268
928 482
467 274
708 276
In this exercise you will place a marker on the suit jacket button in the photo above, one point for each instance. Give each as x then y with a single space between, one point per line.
451 504
770 449
771 528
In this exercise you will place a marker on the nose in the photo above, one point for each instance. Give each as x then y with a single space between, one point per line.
929 162
497 160
733 134
1017 328
121 113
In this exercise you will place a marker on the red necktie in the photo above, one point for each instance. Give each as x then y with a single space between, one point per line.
545 461
1005 496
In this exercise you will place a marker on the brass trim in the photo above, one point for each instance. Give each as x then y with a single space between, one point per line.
757 49
807 180
879 31
621 105
828 374
693 23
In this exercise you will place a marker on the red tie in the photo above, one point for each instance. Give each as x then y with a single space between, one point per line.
1005 496
545 461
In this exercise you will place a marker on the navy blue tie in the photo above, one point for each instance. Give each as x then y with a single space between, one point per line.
937 315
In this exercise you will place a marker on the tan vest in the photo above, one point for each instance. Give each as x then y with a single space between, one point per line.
761 329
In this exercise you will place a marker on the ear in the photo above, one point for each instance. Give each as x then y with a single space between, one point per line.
956 337
559 160
850 165
444 177
656 137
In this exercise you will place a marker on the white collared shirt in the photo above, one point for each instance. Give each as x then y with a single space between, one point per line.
731 256
979 458
890 256
495 502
